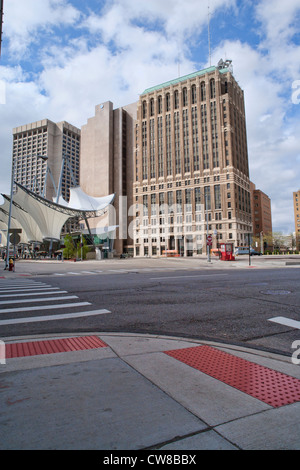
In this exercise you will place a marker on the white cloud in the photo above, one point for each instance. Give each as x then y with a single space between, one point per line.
23 20
124 46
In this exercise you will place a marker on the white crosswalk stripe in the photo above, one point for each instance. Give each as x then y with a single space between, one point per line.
286 322
16 294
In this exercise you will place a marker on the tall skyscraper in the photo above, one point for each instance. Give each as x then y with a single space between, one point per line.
191 174
107 168
40 146
39 149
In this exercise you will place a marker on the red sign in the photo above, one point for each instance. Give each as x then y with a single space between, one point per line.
209 240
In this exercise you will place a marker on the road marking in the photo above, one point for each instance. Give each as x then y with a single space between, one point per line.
34 293
212 276
117 270
7 285
286 321
45 307
47 299
19 289
63 316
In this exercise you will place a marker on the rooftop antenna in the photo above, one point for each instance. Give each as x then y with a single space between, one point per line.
209 48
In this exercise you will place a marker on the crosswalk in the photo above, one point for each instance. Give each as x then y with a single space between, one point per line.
124 271
17 294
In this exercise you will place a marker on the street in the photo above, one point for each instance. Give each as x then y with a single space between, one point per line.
254 305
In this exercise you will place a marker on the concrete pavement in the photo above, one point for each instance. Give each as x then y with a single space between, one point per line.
133 392
53 267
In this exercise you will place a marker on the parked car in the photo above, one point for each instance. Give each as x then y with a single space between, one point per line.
244 250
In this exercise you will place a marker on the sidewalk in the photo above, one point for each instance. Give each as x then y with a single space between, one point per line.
132 392
51 267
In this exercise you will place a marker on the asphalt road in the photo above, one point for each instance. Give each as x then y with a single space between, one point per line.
189 300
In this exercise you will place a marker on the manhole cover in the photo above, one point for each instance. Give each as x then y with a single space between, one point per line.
276 292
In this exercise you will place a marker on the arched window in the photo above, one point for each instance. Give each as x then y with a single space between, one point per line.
168 104
152 107
176 99
212 88
159 105
194 94
184 97
203 93
144 112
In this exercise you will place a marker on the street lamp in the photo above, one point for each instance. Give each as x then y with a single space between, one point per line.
207 246
206 211
9 214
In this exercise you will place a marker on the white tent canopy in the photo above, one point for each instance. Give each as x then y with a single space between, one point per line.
49 220
13 224
82 202
32 231
41 219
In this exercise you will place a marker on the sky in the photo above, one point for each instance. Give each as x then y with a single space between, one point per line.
61 58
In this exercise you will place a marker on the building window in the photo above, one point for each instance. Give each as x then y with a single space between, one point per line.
212 86
203 91
168 102
198 199
160 147
144 106
207 198
195 139
217 190
184 97
179 201
168 145
144 151
152 149
188 200
177 143
194 94
176 99
152 107
186 148
159 105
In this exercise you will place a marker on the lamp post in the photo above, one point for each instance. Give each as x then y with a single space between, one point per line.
206 211
207 246
9 214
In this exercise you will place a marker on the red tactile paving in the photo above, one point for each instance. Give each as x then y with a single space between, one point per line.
270 386
36 348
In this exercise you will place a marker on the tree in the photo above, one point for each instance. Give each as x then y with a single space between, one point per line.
69 250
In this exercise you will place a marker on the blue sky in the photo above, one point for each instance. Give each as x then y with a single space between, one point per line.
60 58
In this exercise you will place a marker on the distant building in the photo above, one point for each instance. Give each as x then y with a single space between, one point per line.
261 212
296 200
